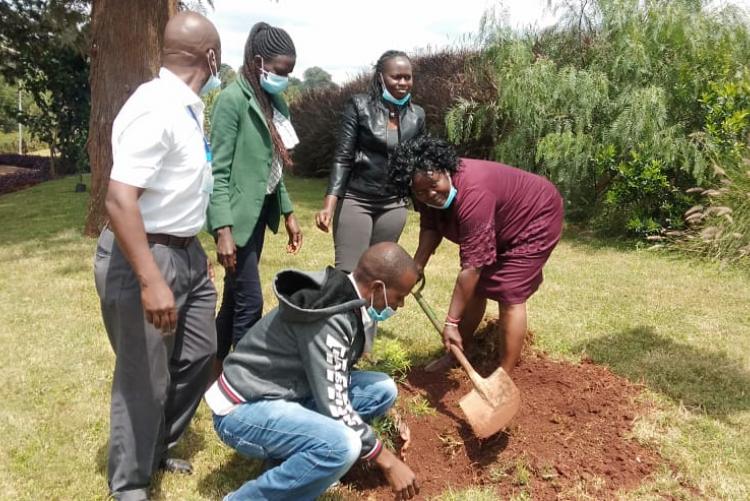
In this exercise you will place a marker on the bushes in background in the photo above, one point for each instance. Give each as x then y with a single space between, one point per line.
623 104
719 225
439 79
36 170
315 116
610 112
9 143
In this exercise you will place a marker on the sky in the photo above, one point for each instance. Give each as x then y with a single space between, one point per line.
345 37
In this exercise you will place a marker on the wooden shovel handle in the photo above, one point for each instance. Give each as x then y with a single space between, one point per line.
473 375
476 379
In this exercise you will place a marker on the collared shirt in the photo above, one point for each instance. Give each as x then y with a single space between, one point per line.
370 325
159 146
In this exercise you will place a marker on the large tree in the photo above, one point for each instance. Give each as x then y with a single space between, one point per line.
126 42
316 77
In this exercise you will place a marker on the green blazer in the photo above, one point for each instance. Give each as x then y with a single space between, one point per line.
242 155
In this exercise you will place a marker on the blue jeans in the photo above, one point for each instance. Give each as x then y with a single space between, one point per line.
315 450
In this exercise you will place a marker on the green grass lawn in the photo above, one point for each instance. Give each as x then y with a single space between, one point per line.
679 326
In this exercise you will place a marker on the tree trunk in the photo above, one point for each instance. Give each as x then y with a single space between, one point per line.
126 44
52 156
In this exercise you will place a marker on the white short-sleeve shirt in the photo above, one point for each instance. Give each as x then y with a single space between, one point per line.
158 145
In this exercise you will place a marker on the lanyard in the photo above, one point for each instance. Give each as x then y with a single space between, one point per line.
206 144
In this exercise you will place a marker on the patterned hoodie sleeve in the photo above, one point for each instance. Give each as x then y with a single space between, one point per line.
325 355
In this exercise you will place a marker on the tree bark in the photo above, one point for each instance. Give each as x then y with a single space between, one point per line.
126 45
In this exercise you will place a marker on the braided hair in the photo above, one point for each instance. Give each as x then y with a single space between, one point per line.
376 84
267 42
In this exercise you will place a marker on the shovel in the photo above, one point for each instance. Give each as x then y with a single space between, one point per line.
494 401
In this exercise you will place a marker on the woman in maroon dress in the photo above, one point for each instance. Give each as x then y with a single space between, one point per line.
506 222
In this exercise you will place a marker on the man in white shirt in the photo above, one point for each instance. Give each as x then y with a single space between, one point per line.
152 276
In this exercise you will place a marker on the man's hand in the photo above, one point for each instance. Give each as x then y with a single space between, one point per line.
158 303
226 249
127 224
402 480
451 335
295 234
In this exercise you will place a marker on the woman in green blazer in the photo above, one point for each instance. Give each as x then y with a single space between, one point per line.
250 136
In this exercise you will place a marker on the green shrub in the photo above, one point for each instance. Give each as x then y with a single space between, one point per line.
720 224
386 430
9 143
389 356
608 106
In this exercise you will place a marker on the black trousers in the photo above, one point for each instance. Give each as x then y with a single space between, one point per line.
242 300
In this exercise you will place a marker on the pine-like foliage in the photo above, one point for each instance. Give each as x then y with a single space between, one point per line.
607 105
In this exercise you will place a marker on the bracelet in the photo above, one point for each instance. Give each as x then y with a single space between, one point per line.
452 324
452 320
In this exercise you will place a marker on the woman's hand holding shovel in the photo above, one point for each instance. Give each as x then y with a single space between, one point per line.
451 335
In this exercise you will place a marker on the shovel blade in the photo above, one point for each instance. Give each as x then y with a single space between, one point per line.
487 416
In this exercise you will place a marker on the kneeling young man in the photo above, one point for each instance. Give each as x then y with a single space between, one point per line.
288 392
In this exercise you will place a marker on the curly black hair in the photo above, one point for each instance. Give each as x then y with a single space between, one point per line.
421 154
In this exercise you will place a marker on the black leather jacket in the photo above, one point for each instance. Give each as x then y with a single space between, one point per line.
360 164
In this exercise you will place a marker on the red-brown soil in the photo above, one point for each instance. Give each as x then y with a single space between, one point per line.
570 438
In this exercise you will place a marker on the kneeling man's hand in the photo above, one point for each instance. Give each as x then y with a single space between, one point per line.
399 475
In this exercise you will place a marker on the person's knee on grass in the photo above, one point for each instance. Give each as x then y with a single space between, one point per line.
298 360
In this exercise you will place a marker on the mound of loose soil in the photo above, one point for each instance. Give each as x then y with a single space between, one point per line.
569 439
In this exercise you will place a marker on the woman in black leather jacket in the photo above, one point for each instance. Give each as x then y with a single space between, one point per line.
360 199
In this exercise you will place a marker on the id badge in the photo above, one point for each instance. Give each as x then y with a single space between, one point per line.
207 185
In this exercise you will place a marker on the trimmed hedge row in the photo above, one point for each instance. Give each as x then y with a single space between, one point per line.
440 79
36 171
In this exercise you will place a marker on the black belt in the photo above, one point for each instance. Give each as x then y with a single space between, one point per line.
169 240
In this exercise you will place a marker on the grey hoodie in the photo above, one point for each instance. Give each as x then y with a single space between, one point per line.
304 348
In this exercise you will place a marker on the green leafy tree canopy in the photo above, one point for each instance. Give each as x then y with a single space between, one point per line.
43 46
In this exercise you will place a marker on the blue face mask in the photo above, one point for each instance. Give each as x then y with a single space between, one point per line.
213 81
449 199
389 97
212 84
384 314
271 82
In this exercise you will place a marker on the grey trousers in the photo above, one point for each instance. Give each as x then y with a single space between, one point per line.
158 379
358 224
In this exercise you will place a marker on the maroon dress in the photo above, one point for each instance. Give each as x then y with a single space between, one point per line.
506 221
